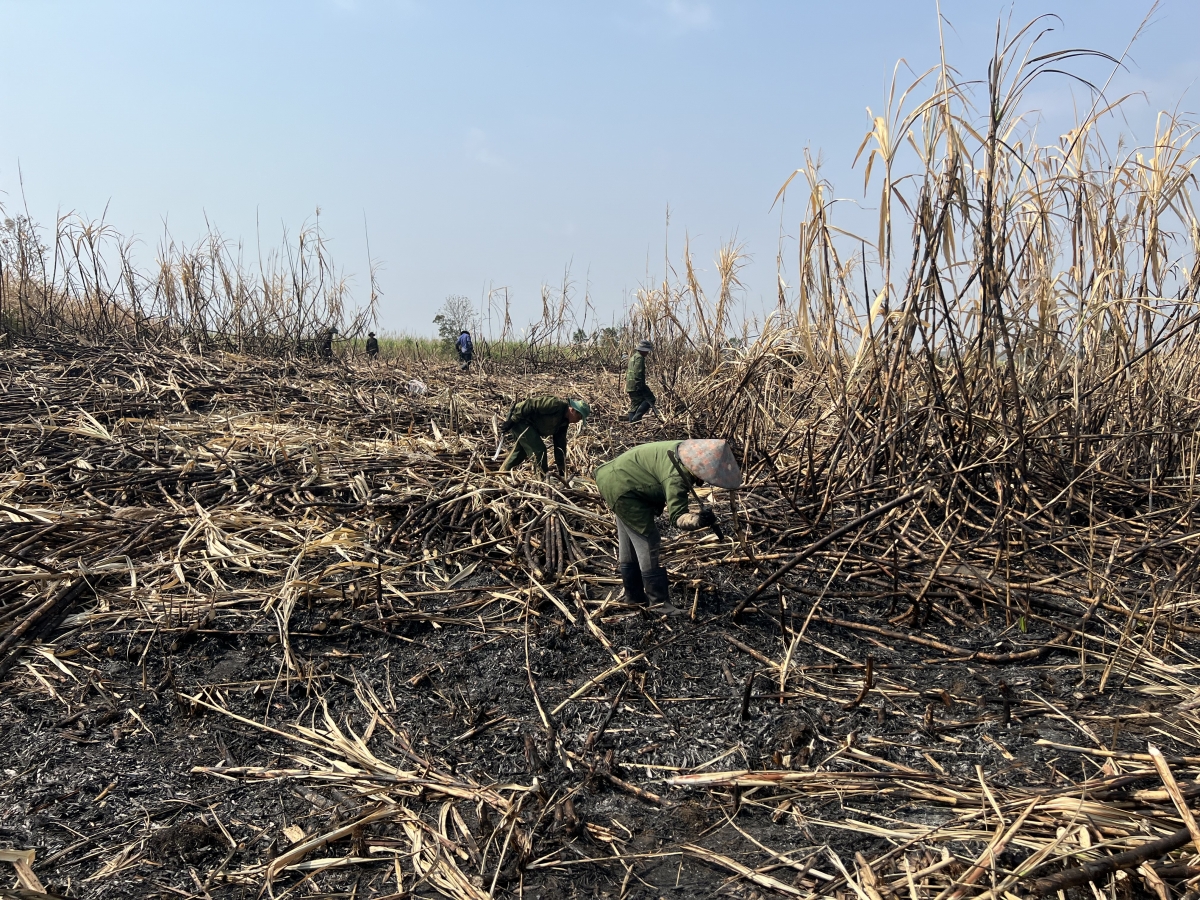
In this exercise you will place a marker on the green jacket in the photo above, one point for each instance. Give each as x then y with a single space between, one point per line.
639 483
546 414
635 375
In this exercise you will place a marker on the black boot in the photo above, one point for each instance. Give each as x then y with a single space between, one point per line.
631 578
658 590
637 414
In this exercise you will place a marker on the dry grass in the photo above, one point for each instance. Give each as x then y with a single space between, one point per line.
988 462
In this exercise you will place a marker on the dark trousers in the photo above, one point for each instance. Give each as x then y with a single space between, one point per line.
642 548
640 403
529 445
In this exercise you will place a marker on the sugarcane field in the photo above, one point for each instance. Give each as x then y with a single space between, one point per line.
888 592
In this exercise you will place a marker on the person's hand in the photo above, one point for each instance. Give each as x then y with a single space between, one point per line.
707 517
689 521
506 427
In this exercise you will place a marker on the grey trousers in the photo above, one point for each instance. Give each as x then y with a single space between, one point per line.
643 548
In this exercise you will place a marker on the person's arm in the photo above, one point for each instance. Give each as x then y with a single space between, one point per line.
515 414
677 501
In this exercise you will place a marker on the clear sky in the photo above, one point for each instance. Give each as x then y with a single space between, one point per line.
497 142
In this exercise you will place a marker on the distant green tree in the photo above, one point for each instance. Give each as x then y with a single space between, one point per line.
579 337
456 315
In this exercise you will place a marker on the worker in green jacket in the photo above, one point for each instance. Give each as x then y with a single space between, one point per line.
541 417
639 484
641 398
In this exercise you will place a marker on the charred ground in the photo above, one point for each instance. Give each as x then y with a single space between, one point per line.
283 627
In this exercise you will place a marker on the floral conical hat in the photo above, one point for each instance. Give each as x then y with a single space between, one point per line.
712 462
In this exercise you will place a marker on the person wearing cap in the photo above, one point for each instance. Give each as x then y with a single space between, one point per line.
325 348
541 417
466 350
641 398
644 480
372 345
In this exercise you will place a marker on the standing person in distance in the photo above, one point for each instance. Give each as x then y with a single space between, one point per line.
325 348
542 417
466 350
639 484
372 345
641 398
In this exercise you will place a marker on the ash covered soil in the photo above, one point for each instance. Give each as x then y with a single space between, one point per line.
468 725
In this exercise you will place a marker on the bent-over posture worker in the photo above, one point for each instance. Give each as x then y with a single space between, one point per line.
466 350
639 483
541 417
641 398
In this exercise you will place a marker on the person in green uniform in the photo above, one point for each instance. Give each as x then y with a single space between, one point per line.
644 480
542 417
641 398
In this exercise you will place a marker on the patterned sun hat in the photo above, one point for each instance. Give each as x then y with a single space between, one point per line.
644 346
712 462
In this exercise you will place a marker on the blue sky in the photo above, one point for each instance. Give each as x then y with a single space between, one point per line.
497 142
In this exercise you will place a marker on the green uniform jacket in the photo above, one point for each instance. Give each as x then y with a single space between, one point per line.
640 482
546 414
635 375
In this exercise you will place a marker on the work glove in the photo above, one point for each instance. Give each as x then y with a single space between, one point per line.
688 521
506 427
707 517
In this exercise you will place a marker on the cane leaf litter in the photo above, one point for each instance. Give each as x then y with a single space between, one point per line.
277 627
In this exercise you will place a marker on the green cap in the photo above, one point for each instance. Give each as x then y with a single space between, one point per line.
581 407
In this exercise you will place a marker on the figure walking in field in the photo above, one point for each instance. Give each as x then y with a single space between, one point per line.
542 417
466 350
372 345
641 398
638 484
325 348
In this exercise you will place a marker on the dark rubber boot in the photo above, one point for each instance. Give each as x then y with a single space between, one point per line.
631 578
658 590
637 414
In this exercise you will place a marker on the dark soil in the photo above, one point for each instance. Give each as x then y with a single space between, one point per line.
100 731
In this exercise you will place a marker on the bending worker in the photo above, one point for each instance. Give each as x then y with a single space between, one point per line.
466 350
537 418
639 483
641 398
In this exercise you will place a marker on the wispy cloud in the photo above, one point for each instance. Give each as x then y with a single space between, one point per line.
689 15
407 7
668 17
479 149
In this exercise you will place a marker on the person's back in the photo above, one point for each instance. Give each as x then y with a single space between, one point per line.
635 373
466 350
372 345
539 417
643 481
